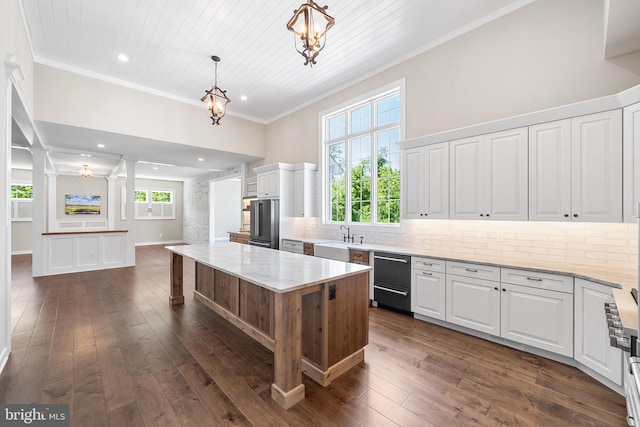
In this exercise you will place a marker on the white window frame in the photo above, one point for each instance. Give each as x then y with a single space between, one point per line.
150 203
16 202
386 90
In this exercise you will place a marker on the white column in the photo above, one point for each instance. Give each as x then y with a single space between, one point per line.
111 206
52 218
5 222
39 211
130 222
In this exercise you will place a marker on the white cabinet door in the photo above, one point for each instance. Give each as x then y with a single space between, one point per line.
596 167
269 184
303 192
631 158
489 178
467 178
298 193
506 175
473 303
426 182
414 192
592 347
437 181
428 293
538 317
550 171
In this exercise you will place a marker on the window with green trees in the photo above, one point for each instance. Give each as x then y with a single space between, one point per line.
21 191
362 161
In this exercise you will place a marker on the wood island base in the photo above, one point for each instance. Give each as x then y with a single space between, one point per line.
319 330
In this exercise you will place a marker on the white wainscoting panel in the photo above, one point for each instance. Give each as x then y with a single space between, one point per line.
74 252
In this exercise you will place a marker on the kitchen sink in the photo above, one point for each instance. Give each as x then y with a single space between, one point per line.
332 250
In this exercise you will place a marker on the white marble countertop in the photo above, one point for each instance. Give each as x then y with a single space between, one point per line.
278 271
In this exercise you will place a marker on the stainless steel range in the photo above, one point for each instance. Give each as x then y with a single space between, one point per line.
629 345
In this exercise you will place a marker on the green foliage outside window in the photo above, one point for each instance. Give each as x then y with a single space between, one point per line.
388 194
22 191
141 196
161 196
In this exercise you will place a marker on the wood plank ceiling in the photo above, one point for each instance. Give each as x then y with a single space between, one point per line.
169 43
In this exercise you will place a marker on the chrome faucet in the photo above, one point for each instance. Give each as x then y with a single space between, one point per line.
347 237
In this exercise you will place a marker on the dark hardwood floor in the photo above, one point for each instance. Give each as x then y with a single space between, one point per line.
109 344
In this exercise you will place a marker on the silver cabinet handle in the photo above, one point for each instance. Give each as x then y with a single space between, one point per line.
427 273
535 279
390 259
382 288
427 263
471 270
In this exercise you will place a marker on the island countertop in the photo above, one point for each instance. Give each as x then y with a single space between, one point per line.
278 271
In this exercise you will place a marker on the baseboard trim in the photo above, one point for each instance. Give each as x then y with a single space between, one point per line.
27 252
163 242
4 357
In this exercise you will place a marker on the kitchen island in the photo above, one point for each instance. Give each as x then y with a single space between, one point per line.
311 312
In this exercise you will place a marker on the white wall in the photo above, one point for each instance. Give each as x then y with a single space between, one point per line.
62 97
546 54
225 208
153 231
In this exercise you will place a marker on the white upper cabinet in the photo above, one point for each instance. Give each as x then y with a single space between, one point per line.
631 158
269 184
489 176
467 174
303 189
576 169
596 167
550 171
426 183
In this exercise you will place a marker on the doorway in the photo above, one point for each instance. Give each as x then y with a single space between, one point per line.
225 208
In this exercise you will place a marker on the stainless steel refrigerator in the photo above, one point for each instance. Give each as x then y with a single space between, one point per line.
265 227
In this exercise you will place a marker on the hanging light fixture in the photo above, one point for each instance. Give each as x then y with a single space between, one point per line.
85 172
216 98
310 24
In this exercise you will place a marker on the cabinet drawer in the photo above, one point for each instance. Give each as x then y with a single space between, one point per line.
239 238
479 271
359 256
308 249
430 264
534 279
295 246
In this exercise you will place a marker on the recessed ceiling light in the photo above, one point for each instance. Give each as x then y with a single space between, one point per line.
200 159
243 98
123 58
155 168
100 145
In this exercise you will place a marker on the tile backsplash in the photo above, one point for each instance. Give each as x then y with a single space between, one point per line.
594 244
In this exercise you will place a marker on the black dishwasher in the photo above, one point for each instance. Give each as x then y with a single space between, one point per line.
392 280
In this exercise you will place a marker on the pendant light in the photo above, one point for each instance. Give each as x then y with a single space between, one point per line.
309 25
216 98
85 172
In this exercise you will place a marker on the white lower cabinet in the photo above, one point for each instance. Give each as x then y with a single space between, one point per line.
473 303
537 317
428 293
592 347
428 287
